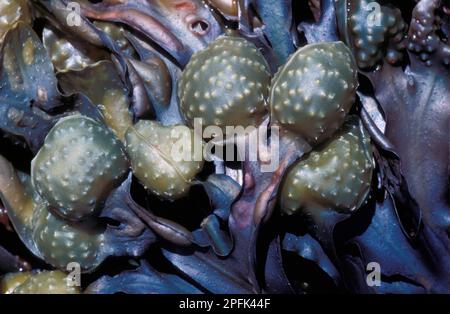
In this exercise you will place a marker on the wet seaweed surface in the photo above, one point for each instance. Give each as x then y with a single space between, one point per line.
95 95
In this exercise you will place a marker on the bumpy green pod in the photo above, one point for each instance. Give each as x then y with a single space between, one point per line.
336 176
11 281
225 84
312 93
44 282
155 154
424 38
78 166
371 31
60 242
